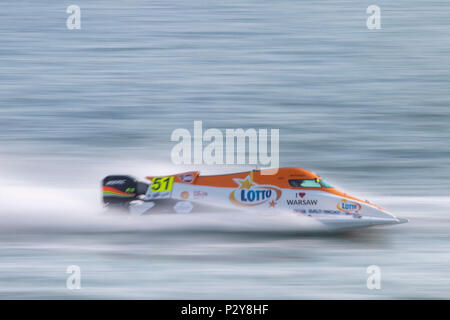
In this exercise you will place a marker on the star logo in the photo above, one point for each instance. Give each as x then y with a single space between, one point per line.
272 204
246 183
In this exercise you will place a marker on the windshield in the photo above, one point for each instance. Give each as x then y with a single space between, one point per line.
309 183
325 184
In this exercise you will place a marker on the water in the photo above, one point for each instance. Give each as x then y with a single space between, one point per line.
367 110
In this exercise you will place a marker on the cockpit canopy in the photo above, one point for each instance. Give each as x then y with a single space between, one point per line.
309 183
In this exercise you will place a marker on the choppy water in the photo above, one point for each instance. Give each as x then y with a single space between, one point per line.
368 110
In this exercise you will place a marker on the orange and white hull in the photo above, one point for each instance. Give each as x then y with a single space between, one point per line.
297 191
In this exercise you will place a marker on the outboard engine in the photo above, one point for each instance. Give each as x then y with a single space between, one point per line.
119 190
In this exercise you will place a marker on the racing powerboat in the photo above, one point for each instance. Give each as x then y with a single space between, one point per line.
295 190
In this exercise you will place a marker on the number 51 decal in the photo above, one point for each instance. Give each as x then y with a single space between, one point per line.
162 184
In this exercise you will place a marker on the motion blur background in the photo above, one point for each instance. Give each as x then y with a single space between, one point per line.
366 109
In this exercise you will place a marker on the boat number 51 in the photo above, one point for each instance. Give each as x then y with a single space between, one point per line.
162 184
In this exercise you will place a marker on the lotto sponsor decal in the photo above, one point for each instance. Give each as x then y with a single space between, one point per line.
250 194
349 207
